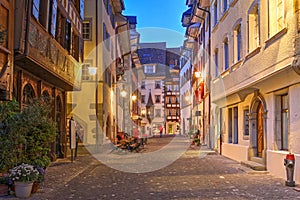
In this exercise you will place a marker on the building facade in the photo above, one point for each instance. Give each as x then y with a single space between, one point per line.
159 86
252 78
98 106
48 50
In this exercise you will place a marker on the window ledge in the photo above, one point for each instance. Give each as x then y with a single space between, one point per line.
253 53
225 13
232 4
225 73
276 36
236 65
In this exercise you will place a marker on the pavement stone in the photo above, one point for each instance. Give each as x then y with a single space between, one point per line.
190 177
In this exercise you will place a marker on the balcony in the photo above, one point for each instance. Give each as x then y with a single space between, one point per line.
47 59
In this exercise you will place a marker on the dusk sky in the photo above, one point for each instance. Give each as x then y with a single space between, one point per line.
157 20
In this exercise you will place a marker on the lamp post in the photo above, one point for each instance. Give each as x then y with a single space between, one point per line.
123 95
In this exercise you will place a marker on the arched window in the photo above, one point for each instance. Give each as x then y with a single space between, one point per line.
28 94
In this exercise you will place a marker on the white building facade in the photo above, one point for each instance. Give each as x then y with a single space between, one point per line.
255 84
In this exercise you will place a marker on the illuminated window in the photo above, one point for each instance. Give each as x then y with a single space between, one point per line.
253 36
276 16
87 29
149 69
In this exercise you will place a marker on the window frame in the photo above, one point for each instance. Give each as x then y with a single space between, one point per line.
226 53
89 22
253 27
275 17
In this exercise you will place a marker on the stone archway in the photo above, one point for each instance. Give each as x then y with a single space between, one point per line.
257 120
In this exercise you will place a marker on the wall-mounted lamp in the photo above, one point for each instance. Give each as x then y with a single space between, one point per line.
134 97
92 70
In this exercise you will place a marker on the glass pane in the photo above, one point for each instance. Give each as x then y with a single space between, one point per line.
285 130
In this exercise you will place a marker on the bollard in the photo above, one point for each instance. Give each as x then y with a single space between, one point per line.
289 163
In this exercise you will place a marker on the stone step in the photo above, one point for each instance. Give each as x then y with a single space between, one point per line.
254 165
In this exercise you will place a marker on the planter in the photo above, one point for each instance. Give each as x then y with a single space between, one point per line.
23 189
3 190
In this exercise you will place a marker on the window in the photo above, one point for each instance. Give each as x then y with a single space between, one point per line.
176 88
106 37
28 94
226 54
233 125
157 84
282 122
143 99
87 29
246 122
216 63
225 5
276 16
143 86
215 13
149 69
4 18
237 43
157 98
253 36
67 42
157 113
85 72
53 14
230 125
35 9
169 88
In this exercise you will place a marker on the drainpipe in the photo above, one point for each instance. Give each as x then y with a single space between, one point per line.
209 72
96 95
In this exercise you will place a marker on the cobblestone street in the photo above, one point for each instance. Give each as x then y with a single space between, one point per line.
190 177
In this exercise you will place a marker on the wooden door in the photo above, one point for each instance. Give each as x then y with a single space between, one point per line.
260 130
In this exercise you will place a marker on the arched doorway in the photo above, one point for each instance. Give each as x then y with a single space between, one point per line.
257 119
260 131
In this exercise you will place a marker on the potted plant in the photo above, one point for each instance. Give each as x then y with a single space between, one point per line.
23 177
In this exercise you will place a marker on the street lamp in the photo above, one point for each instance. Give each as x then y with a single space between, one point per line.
123 95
